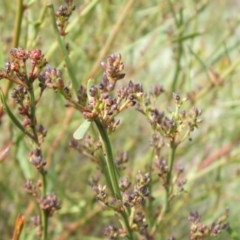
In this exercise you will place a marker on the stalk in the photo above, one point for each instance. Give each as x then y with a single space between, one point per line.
179 24
169 175
44 217
62 46
18 23
16 33
150 203
112 173
111 168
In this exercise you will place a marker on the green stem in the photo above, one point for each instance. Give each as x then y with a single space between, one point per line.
11 115
37 25
111 168
126 222
178 24
150 203
17 24
44 217
169 175
112 173
62 46
32 117
105 172
16 33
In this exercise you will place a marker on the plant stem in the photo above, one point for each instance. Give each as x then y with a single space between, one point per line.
112 171
37 25
112 175
32 109
44 217
12 116
61 44
178 24
169 175
105 172
18 23
150 203
16 33
126 222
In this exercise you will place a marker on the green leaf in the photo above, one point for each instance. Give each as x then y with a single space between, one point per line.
82 129
10 114
24 164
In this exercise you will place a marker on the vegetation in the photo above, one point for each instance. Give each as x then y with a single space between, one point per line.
119 120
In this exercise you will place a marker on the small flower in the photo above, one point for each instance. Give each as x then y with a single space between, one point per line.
50 204
19 53
35 55
30 188
101 192
113 68
37 160
200 230
124 184
111 232
157 90
51 78
63 14
42 130
140 220
19 94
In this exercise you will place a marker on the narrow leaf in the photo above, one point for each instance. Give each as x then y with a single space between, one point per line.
21 153
82 129
10 114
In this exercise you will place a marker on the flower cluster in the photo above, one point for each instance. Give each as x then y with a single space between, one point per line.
87 147
103 104
175 126
35 157
23 69
134 199
180 179
52 78
23 66
105 107
200 230
112 232
122 160
99 101
161 166
48 203
32 189
113 68
162 169
63 14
